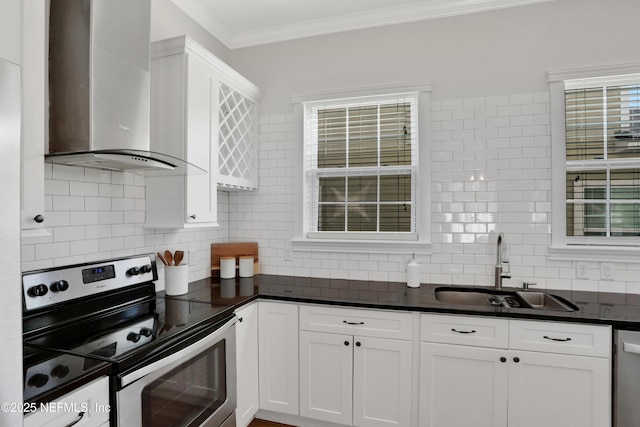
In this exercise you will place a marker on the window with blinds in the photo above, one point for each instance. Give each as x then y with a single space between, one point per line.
361 160
602 128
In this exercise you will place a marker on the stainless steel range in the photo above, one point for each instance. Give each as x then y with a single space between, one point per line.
169 361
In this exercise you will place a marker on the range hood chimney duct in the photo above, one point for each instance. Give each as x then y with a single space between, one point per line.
99 87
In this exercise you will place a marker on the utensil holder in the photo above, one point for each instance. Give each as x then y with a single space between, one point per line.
176 279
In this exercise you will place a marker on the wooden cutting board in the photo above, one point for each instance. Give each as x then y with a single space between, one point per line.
234 249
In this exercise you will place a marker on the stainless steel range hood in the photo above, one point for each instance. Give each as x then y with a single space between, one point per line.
99 88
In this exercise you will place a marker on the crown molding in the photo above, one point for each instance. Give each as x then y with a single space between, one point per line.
356 21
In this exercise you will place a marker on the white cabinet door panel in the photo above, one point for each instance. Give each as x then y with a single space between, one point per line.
382 371
326 362
555 390
462 386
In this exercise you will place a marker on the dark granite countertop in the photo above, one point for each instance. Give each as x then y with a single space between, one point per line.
619 310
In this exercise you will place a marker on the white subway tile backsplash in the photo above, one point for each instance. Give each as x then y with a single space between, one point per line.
490 170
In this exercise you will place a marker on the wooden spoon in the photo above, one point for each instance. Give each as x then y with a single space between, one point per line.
178 257
168 257
164 261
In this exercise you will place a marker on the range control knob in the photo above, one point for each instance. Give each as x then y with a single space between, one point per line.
38 290
146 332
146 269
59 286
133 271
38 380
133 337
60 371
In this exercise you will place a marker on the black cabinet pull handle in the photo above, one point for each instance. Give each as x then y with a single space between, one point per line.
463 332
503 359
516 359
192 216
358 344
557 339
240 319
346 343
80 417
352 323
38 218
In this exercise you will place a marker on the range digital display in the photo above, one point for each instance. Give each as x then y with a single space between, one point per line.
96 274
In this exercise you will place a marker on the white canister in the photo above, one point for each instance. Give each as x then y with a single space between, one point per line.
176 279
246 266
413 274
227 267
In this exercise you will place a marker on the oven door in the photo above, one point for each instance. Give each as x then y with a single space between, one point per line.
195 386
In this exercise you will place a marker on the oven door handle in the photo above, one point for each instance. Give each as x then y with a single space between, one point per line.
192 349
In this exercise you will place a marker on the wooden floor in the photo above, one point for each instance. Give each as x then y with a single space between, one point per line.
262 423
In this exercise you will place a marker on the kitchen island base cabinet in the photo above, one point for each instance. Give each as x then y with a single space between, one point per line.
278 363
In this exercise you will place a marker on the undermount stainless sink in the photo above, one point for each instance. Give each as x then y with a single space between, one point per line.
544 301
488 297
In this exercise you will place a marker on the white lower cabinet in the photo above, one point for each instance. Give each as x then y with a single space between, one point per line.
278 362
355 380
248 400
494 386
462 386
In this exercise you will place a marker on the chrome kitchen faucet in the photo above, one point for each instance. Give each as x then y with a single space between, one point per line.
502 261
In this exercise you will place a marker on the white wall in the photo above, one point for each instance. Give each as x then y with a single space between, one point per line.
10 30
499 52
489 136
167 21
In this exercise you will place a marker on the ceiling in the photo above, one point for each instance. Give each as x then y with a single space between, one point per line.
243 23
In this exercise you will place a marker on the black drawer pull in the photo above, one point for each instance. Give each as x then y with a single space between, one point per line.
352 323
556 339
463 332
80 417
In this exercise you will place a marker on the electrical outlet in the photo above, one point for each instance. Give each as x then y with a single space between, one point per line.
606 271
582 272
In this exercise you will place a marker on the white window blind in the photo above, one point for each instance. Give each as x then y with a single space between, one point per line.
361 167
602 180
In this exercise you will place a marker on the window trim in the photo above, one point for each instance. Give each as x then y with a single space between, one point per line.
561 247
302 241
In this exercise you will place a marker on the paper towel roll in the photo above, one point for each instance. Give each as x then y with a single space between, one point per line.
227 267
246 266
413 274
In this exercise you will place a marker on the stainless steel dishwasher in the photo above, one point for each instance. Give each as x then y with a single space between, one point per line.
626 379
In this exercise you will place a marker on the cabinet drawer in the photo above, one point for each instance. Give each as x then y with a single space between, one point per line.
465 330
92 398
353 321
566 338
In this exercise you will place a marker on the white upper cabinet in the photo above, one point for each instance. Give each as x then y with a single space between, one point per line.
34 119
205 113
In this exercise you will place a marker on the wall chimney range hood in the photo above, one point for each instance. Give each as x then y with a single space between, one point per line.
99 88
